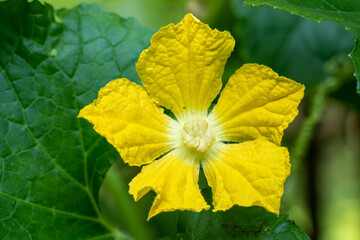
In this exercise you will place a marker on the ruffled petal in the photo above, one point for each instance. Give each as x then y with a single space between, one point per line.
183 67
247 174
175 181
130 120
255 103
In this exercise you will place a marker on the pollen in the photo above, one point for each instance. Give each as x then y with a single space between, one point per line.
196 135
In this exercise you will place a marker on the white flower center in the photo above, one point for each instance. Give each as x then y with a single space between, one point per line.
197 136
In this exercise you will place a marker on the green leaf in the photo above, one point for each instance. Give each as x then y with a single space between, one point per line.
293 46
237 223
51 163
346 12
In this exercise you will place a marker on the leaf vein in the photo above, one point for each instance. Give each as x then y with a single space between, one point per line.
53 210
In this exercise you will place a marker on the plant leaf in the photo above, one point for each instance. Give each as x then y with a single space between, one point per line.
344 12
237 223
51 163
293 46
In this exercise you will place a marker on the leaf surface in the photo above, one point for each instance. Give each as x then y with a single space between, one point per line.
51 163
293 46
346 12
237 223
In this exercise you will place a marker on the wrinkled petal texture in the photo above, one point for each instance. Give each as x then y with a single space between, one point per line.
130 120
175 182
256 102
183 67
247 174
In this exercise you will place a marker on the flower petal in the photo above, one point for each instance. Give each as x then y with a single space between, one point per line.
247 174
175 182
183 67
255 103
130 120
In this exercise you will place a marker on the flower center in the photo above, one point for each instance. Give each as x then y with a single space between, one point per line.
197 136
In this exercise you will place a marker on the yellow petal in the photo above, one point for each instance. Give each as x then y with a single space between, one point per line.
247 174
174 180
183 67
255 103
130 120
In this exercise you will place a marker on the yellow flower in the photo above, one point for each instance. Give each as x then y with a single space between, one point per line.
236 144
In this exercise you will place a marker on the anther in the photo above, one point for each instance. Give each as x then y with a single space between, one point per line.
197 136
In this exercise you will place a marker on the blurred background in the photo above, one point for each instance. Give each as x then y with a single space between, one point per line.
322 195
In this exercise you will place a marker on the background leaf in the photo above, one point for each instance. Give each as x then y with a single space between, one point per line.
294 46
346 12
51 163
237 223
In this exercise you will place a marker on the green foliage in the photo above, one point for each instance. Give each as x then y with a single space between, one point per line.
51 163
344 12
237 223
294 46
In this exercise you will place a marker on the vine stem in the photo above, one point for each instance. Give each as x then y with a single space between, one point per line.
338 69
315 113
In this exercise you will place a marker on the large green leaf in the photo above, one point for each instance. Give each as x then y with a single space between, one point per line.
346 12
294 46
51 163
237 223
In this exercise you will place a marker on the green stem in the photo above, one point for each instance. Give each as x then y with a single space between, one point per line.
125 207
114 232
315 113
338 69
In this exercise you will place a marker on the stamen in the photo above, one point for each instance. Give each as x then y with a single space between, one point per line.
197 136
